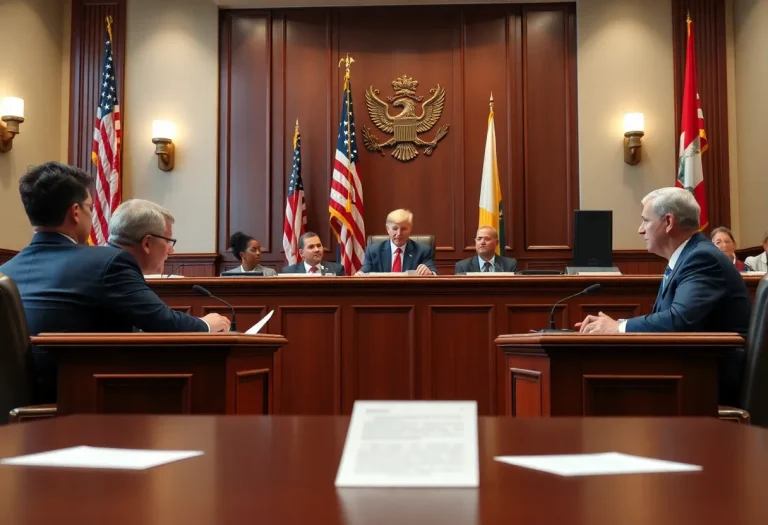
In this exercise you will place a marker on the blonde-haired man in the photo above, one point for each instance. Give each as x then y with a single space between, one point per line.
399 253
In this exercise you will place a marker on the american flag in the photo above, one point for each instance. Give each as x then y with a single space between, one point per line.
346 201
295 223
106 148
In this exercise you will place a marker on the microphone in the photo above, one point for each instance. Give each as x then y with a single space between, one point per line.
203 291
595 288
173 270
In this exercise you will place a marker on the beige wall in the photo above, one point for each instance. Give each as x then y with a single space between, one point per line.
30 68
172 74
624 65
751 77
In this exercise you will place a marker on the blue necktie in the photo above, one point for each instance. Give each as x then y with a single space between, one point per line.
667 273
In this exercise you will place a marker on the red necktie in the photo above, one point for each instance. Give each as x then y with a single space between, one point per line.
313 269
397 264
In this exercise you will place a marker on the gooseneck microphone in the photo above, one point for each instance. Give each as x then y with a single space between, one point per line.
595 288
205 292
174 269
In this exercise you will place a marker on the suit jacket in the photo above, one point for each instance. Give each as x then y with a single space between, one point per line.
378 257
266 271
704 293
758 263
503 264
331 268
66 287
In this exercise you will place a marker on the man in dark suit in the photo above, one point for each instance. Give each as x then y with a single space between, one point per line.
701 290
486 242
311 252
399 253
67 286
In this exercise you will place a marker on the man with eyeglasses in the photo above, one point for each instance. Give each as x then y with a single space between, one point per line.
68 286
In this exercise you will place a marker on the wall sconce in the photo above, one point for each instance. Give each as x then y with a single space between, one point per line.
163 133
12 113
634 129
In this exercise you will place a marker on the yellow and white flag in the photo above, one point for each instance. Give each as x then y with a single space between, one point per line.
490 189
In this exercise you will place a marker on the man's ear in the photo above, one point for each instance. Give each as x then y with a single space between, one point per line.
74 213
145 244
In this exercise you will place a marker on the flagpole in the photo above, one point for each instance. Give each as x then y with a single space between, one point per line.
348 61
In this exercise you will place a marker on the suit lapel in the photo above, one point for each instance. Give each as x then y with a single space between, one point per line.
688 247
474 265
301 268
386 256
407 255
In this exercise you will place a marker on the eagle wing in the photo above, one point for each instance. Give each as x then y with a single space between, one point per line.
377 109
432 109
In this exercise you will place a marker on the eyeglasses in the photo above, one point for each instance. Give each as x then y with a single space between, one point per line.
170 240
86 205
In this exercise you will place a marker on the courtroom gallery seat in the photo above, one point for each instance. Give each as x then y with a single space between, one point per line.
15 376
754 396
428 240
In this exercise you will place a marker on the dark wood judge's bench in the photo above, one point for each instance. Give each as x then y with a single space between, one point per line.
436 338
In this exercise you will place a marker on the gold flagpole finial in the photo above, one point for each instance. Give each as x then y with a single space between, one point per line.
348 61
297 125
491 102
109 27
688 16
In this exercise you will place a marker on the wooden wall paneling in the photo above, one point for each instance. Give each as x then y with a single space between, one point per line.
651 396
386 45
308 368
308 92
515 213
247 315
248 130
551 150
6 255
461 354
86 62
710 38
522 317
192 264
376 370
485 53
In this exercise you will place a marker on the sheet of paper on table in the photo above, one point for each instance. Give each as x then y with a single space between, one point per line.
609 463
411 444
258 326
104 458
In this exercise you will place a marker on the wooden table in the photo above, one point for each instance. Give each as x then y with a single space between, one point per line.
173 373
565 374
403 338
281 470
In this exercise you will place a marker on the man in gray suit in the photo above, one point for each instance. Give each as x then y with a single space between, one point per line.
486 241
311 252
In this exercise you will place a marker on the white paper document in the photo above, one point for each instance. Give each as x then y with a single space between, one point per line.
98 457
258 326
411 444
609 463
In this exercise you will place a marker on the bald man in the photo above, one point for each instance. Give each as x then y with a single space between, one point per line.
486 242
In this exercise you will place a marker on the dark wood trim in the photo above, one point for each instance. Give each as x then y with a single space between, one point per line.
6 255
710 37
86 57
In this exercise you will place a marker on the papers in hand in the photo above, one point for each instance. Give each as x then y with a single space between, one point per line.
596 464
98 457
258 326
411 444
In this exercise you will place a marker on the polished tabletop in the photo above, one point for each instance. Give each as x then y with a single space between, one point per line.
281 470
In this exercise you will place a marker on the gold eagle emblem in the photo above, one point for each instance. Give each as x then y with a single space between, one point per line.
406 125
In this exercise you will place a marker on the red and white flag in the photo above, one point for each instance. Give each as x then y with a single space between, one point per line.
693 138
295 222
105 152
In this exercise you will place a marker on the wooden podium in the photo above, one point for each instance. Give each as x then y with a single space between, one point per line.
569 374
168 373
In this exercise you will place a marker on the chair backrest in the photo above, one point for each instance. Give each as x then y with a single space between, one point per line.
427 240
14 343
755 389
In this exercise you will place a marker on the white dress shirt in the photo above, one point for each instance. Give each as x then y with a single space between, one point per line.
672 262
481 263
307 267
758 263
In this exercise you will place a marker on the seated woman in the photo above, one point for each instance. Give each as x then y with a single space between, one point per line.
759 263
248 250
723 239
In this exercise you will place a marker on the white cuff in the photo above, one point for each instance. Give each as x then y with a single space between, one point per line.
622 326
206 324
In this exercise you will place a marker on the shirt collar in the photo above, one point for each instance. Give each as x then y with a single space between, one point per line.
307 267
676 255
393 248
68 237
481 261
255 269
